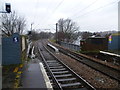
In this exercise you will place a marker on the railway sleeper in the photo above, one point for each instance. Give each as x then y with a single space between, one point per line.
51 61
61 72
76 84
56 67
59 69
54 63
75 88
66 79
62 76
58 64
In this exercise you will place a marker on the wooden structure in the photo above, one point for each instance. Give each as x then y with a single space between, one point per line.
94 44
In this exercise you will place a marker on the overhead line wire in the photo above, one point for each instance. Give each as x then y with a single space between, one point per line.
56 8
36 10
85 8
52 12
97 9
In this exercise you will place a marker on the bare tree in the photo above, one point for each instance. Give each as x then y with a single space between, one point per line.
86 35
67 29
12 23
34 35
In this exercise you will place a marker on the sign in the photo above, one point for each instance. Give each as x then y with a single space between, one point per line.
23 43
110 38
15 39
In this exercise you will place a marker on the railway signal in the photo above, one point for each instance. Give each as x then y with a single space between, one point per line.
8 7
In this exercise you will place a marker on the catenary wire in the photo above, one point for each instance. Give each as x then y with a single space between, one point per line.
95 9
84 8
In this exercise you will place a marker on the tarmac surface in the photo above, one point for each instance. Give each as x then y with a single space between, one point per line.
0 77
32 76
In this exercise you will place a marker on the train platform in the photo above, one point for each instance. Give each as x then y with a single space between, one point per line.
34 76
108 53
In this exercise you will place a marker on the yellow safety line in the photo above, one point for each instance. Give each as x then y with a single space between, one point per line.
16 69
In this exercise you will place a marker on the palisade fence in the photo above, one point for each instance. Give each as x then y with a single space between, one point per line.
70 46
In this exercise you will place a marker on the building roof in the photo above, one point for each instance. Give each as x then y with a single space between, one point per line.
116 34
96 37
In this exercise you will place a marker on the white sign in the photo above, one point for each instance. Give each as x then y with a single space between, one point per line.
15 39
23 43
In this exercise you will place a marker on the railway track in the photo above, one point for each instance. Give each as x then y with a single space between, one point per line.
111 72
61 76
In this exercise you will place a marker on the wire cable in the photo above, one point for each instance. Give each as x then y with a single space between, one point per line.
58 6
54 10
97 9
84 8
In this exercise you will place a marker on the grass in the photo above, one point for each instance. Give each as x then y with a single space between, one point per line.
8 67
8 76
52 40
23 56
9 73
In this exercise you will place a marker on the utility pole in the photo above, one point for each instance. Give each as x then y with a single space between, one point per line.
31 26
118 15
56 33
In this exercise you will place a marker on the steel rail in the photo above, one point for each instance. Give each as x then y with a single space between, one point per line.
82 60
84 82
53 77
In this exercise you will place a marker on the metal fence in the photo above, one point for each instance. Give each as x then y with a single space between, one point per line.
70 46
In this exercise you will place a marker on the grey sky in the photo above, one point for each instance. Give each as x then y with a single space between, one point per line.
90 15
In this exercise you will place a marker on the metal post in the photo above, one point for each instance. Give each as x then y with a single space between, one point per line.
31 26
56 33
118 15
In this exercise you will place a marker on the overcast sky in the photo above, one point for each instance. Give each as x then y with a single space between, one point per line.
90 15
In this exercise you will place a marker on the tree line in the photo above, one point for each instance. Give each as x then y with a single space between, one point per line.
68 30
12 23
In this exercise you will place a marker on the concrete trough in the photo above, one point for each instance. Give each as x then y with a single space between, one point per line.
53 47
